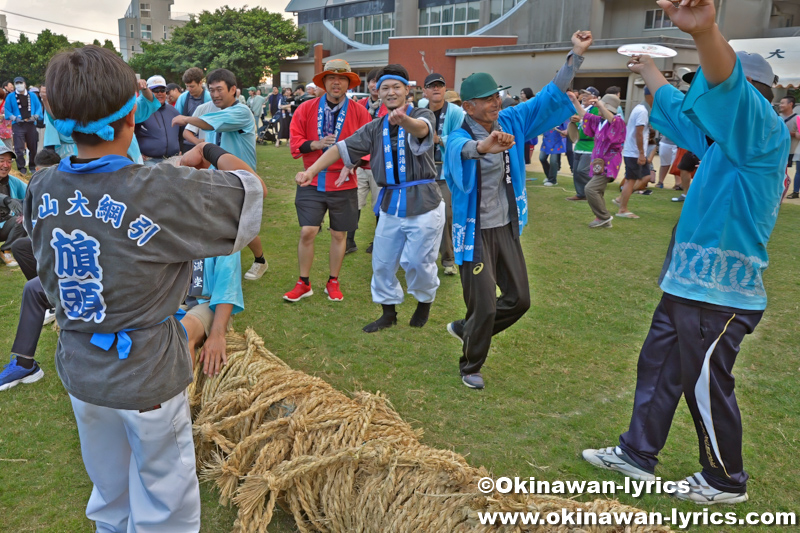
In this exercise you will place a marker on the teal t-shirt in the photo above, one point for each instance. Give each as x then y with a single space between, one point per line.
237 127
720 247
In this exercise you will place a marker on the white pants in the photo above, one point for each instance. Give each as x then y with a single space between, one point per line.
142 466
667 153
366 185
410 242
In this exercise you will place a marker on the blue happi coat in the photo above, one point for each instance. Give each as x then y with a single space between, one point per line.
526 121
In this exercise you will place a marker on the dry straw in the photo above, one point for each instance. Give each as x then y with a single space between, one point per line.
266 434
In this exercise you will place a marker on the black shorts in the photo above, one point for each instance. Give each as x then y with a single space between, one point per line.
342 207
688 162
635 171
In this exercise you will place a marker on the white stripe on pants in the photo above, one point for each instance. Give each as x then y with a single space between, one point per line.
142 466
410 242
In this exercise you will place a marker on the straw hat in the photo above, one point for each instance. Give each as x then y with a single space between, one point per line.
341 68
452 97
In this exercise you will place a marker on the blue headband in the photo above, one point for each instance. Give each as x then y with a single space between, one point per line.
101 127
392 77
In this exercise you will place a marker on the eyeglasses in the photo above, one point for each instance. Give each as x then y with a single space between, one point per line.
159 90
435 85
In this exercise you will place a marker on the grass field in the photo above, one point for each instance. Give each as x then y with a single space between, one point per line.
560 380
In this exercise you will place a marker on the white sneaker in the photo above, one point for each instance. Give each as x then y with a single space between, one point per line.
256 271
701 492
548 183
9 260
612 458
450 270
49 317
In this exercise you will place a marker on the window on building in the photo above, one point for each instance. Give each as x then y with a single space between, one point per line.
374 29
132 34
165 33
455 19
340 25
498 8
656 19
147 31
144 10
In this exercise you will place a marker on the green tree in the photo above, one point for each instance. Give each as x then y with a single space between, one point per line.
29 59
251 43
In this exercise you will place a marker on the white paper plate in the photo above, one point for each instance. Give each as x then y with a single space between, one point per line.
652 50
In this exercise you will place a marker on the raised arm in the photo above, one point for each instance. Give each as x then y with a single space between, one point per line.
576 104
604 111
697 18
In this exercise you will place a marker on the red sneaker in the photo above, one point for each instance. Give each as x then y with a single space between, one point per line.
300 291
333 292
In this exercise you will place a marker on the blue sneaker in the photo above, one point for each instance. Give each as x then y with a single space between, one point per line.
13 374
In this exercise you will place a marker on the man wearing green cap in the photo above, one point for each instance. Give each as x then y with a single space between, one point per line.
485 169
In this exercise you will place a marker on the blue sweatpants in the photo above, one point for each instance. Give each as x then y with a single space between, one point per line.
691 350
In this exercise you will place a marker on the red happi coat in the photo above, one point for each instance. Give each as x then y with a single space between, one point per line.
304 128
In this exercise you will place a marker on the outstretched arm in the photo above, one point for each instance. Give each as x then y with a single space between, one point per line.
697 18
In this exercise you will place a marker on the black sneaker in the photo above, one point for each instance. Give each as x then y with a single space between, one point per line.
793 196
369 248
473 381
350 247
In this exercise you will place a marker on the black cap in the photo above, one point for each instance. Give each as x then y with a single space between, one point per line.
591 90
172 86
433 78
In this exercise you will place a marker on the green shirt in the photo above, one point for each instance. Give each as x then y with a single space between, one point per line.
585 143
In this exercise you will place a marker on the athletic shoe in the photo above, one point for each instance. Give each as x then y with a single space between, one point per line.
680 198
300 291
49 317
793 196
659 185
646 192
576 198
613 458
333 291
450 270
549 183
597 223
8 259
369 248
256 271
700 492
14 374
473 381
456 329
350 247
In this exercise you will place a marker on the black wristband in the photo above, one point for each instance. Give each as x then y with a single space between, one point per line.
212 153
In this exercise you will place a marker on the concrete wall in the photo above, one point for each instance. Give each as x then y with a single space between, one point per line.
744 19
540 21
408 51
626 19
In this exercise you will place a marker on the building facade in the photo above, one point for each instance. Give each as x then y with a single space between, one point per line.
147 21
368 32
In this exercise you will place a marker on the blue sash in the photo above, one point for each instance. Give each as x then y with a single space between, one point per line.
398 187
323 104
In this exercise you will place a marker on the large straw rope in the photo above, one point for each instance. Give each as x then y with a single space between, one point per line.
267 434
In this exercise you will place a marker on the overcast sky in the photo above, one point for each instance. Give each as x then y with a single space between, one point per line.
99 15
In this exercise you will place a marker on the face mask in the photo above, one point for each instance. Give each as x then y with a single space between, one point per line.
20 87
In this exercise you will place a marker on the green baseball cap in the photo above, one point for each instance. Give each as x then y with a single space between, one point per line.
251 89
479 85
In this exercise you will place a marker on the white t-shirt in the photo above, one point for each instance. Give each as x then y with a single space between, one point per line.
639 117
201 110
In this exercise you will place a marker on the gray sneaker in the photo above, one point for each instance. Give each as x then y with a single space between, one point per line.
597 223
701 493
613 458
456 329
473 381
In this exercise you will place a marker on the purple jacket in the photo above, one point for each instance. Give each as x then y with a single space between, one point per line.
607 141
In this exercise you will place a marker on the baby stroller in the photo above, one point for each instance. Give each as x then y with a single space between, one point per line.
268 133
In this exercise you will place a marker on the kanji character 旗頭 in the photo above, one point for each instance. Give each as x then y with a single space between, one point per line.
77 255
